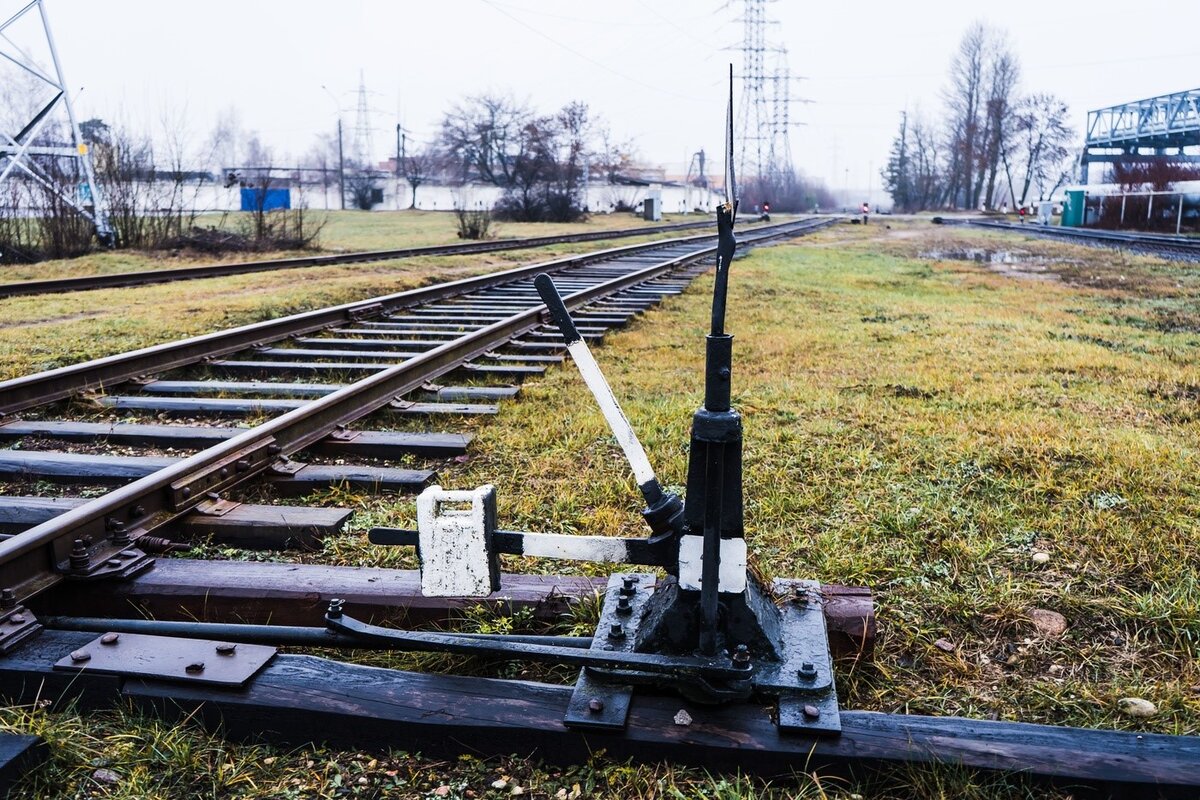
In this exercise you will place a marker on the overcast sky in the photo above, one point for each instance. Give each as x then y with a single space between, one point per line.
652 68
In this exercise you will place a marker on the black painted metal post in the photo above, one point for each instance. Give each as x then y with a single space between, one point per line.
714 507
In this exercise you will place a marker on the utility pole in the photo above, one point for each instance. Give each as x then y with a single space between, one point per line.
399 161
341 166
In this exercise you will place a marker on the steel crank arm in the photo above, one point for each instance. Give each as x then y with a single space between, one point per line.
429 641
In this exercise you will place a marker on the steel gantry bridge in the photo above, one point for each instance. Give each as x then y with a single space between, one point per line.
1163 128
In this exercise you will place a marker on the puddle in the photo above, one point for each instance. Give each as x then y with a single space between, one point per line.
1017 263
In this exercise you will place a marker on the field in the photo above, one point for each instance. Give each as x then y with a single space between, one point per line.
983 428
46 331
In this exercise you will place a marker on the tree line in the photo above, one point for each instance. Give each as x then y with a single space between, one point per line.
991 145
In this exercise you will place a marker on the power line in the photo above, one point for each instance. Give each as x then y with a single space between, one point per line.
589 59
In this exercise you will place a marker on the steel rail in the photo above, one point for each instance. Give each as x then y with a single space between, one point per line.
147 277
28 560
40 388
1150 242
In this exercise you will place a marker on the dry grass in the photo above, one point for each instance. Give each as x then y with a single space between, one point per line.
917 425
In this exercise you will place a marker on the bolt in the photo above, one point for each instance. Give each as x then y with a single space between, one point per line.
801 596
224 472
616 632
79 559
741 657
195 667
226 648
627 586
138 511
623 607
187 492
8 598
335 608
243 465
274 449
17 619
120 536
80 656
595 705
807 671
113 562
110 638
812 712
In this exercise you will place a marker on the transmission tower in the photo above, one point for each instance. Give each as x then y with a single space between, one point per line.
764 120
779 148
45 145
753 131
362 127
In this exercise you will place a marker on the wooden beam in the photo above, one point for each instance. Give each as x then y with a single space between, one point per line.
375 444
297 594
245 525
300 699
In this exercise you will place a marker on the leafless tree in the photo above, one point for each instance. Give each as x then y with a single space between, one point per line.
1042 145
417 169
485 136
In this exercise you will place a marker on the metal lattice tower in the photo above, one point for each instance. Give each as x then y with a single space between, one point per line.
362 128
753 116
779 148
33 147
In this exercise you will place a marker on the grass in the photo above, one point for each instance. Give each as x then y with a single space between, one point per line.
343 231
46 331
919 425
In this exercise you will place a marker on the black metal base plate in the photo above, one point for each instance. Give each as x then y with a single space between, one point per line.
600 703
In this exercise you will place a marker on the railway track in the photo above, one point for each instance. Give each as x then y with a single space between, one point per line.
147 277
1173 247
314 374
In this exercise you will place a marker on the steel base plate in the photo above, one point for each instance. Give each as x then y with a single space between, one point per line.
168 658
600 703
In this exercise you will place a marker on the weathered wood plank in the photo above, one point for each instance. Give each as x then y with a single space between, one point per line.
256 527
242 406
376 444
298 699
247 525
21 513
104 469
297 594
314 477
19 753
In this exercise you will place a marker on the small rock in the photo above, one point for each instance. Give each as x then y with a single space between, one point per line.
442 791
561 795
1047 622
270 760
1041 557
683 717
499 783
106 776
1056 669
945 645
1137 707
517 791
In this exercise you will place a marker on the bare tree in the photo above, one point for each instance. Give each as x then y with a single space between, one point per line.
486 137
963 98
1003 75
1042 139
417 169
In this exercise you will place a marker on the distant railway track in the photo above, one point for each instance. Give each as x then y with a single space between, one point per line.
148 277
1174 247
314 374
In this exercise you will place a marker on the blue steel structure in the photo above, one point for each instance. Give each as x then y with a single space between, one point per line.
1165 128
